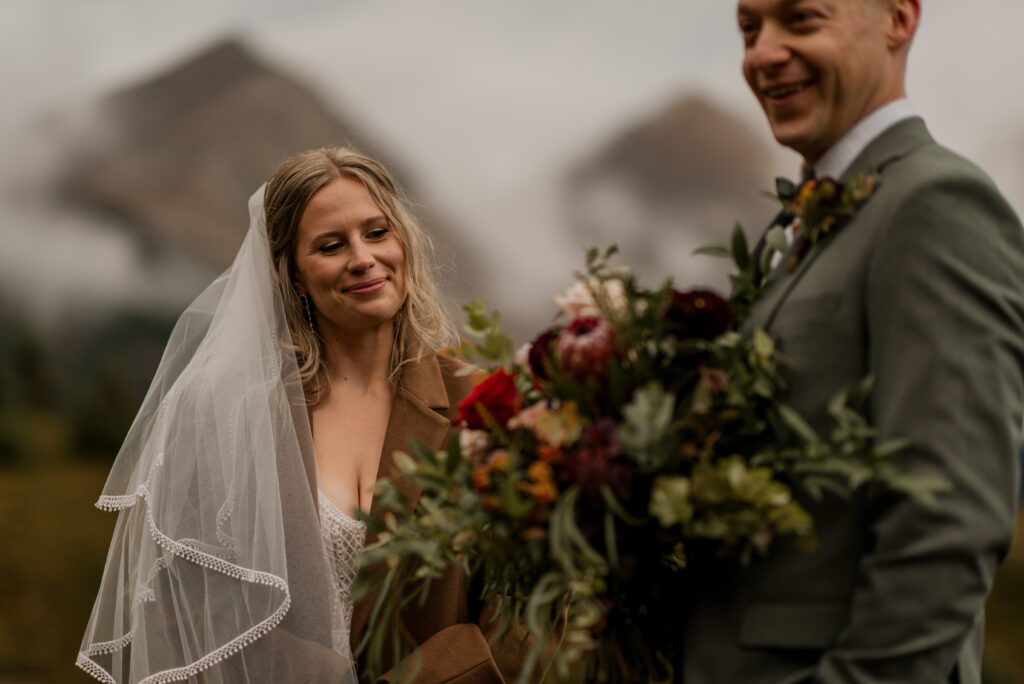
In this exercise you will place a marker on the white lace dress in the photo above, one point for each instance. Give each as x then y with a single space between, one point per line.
344 537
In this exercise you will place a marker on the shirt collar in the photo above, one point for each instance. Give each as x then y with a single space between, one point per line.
839 157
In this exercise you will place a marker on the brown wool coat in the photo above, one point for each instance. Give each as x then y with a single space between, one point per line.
452 644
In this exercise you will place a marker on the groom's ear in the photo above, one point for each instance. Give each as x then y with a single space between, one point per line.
903 18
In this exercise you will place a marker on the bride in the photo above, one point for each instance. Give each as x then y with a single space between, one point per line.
284 390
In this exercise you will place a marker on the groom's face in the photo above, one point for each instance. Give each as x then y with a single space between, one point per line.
817 67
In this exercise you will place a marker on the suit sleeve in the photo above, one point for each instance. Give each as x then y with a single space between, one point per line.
946 324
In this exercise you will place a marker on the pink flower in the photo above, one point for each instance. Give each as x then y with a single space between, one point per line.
585 347
474 444
556 426
578 300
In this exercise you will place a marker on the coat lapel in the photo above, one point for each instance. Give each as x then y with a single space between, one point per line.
898 141
418 411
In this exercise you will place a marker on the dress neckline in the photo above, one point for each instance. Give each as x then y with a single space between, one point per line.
336 513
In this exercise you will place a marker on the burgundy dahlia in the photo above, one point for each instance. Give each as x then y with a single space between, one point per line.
540 352
702 314
585 347
597 460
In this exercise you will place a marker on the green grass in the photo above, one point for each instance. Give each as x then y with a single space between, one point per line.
55 544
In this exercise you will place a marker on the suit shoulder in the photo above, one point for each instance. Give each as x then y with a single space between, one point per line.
934 167
937 189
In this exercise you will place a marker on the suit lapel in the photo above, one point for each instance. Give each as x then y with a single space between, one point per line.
418 411
898 141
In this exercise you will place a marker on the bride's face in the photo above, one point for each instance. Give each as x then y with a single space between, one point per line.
349 259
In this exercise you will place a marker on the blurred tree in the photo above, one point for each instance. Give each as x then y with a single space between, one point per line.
105 411
112 367
33 371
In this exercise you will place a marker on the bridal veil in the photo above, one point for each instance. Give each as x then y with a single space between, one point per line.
217 571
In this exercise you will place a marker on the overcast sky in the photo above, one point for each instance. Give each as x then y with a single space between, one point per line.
488 103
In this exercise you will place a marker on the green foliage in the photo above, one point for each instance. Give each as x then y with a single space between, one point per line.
494 348
694 453
647 428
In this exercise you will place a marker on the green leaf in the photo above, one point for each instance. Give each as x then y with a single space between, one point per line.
454 459
712 250
797 424
609 539
740 251
670 501
785 187
615 507
764 345
890 448
647 423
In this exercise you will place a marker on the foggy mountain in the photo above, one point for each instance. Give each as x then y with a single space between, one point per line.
674 182
176 156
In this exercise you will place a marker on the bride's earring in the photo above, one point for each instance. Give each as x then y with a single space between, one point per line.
309 312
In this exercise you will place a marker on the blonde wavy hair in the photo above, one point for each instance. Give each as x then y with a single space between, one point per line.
421 326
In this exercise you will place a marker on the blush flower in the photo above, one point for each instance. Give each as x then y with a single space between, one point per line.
585 347
474 444
557 425
578 300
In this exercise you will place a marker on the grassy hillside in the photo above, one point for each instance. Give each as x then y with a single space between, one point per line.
55 545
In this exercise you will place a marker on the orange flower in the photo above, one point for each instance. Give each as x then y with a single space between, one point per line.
549 454
539 471
542 492
534 534
481 478
542 485
499 460
491 503
805 193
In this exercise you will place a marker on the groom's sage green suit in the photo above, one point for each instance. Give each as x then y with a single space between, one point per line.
923 289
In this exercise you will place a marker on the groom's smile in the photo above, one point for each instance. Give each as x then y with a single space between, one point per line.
817 67
780 93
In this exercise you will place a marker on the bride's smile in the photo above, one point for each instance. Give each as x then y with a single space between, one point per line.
349 259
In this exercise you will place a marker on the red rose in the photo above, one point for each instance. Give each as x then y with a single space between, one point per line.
495 398
699 313
585 347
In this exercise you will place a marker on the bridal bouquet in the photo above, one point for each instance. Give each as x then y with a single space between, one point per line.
638 441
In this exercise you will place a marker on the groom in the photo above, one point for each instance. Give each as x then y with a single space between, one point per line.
923 288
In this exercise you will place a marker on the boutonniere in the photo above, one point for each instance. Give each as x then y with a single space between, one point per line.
817 208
